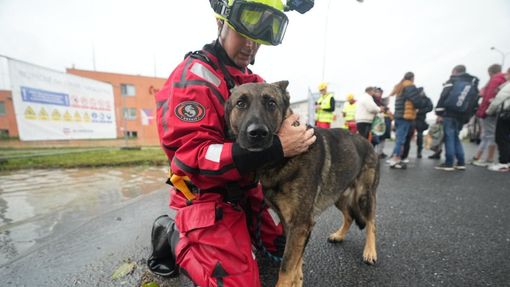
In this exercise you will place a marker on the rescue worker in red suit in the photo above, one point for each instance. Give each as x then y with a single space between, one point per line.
219 204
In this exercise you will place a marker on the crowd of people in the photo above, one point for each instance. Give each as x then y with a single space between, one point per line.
460 101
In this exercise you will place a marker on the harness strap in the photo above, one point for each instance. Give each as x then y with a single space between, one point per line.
201 55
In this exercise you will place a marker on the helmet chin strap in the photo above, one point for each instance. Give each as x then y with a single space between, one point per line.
221 24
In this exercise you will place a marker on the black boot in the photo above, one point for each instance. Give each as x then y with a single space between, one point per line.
164 238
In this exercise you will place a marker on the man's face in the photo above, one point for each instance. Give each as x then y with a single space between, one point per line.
239 49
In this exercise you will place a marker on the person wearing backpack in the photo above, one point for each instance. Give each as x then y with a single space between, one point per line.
421 120
488 122
423 105
454 108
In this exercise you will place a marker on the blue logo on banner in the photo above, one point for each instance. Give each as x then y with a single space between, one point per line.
44 97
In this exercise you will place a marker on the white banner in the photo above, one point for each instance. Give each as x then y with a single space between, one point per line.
51 105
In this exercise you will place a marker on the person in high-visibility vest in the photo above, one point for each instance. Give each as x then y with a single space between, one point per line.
349 112
324 108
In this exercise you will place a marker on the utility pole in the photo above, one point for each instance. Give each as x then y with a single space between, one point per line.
93 56
325 43
154 60
124 116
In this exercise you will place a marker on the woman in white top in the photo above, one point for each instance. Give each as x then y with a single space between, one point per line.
366 110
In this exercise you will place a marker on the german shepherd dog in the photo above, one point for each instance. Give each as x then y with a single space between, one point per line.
338 169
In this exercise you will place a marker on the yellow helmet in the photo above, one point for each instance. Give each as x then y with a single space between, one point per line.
323 86
350 97
262 21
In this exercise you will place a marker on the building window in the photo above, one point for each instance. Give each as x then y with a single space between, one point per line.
131 134
2 108
4 133
129 113
127 90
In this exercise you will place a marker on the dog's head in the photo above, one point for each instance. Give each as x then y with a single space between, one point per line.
255 111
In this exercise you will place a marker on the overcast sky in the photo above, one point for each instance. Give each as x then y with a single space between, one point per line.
349 44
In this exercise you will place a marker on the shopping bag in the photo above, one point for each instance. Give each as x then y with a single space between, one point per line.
378 125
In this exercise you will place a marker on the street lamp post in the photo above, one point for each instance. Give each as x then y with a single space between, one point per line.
503 55
325 42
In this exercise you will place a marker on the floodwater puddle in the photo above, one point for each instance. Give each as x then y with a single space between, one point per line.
38 205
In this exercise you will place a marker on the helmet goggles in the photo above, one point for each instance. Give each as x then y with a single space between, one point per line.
262 23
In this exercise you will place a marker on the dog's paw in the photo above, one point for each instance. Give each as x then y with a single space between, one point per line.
333 238
369 259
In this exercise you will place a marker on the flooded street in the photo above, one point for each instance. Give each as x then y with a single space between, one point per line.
37 206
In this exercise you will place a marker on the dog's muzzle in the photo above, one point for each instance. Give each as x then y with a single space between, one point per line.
258 137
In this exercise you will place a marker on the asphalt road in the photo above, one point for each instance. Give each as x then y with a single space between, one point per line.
434 228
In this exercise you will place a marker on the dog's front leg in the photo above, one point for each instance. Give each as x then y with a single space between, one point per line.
369 252
291 268
299 274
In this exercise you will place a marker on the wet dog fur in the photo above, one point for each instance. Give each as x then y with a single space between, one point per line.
338 169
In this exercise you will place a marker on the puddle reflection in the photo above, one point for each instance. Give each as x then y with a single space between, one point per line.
37 205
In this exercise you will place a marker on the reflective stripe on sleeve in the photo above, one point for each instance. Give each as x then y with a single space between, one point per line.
214 152
163 105
201 71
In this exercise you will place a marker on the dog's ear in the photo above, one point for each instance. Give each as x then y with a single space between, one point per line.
282 85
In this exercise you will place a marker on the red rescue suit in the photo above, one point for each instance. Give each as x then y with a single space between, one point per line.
216 235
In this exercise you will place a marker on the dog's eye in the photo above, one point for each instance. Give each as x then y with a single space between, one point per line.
271 105
241 104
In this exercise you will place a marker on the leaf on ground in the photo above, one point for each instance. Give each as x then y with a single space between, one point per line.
123 270
150 284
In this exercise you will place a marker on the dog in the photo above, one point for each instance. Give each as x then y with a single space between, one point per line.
339 169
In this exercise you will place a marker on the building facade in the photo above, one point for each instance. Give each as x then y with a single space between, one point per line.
44 107
135 105
8 127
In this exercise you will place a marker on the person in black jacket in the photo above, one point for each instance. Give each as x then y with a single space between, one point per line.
423 105
453 120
